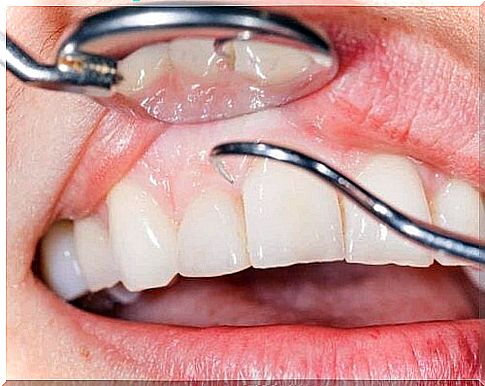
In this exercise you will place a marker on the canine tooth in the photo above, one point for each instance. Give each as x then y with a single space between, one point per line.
211 237
94 253
143 238
142 67
270 63
196 56
395 180
59 264
291 217
457 207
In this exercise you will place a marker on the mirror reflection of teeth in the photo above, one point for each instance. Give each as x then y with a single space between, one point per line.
280 217
237 78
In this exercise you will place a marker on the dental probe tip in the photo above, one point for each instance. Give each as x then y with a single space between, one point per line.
220 167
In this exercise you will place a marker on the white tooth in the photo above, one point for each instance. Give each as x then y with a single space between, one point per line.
396 181
477 276
270 63
59 265
94 253
194 56
143 237
121 295
457 207
143 67
211 237
291 217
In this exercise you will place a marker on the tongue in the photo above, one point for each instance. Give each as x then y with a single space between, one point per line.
330 294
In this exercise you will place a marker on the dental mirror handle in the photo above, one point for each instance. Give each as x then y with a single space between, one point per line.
23 66
70 72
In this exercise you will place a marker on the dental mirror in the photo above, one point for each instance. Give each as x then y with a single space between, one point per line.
187 64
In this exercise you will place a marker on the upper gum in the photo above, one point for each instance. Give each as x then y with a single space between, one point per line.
175 169
137 140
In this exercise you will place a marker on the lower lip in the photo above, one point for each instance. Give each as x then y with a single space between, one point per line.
435 350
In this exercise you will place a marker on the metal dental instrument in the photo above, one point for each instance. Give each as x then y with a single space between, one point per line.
83 65
87 63
418 231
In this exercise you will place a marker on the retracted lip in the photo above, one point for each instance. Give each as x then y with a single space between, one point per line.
387 96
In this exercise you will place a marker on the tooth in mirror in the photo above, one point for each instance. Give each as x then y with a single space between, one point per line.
188 80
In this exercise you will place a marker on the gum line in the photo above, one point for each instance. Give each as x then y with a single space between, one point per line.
175 169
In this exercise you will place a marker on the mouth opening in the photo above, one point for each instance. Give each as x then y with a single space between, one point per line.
169 212
339 295
155 236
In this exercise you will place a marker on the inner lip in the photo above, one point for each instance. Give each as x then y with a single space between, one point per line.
69 200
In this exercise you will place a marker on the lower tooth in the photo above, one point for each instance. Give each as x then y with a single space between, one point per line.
457 207
143 238
121 295
211 237
291 217
477 276
95 258
59 264
395 180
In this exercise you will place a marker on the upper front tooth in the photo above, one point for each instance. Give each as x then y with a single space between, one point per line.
143 67
59 264
143 237
94 253
270 63
291 217
211 237
396 181
457 207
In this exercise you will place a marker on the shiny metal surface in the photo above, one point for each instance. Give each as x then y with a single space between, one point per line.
226 22
418 231
70 73
24 67
83 63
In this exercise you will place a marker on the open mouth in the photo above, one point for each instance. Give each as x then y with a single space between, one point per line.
171 272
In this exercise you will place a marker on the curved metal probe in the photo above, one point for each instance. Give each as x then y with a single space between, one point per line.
418 231
79 68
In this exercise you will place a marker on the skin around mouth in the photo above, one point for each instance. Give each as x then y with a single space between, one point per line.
338 115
